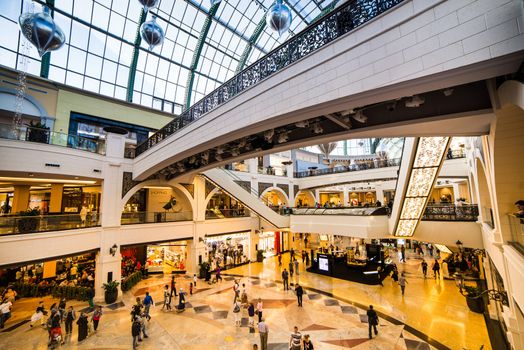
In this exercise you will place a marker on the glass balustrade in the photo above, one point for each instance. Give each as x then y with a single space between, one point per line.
148 217
451 213
226 213
516 225
353 167
10 224
39 135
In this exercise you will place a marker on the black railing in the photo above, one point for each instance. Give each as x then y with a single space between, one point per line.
148 217
353 167
227 213
332 26
350 211
466 212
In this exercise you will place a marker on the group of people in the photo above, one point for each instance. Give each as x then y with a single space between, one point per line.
61 314
170 291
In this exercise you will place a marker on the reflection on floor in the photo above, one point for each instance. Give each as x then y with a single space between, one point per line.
432 315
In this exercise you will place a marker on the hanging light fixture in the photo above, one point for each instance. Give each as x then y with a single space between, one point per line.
149 4
41 31
152 33
279 17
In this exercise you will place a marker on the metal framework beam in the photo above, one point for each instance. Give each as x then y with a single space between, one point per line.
45 63
134 60
197 53
249 47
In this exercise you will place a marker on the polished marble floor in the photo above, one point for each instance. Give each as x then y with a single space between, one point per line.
431 315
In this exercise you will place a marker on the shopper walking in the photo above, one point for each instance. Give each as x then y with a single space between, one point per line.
424 266
236 313
69 318
136 329
263 330
436 269
96 317
167 299
148 302
259 309
402 282
295 341
251 315
402 253
195 280
285 279
372 320
173 288
299 291
291 268
82 326
279 259
308 345
296 267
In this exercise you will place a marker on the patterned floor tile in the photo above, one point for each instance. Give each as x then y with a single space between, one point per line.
220 315
416 345
316 327
270 285
331 302
347 343
202 309
118 305
314 296
278 346
363 318
349 310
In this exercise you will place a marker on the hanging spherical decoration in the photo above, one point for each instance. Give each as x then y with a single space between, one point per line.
279 17
152 33
41 31
149 4
214 2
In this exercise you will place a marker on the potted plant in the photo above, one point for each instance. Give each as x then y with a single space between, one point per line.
28 222
474 299
111 291
204 268
37 132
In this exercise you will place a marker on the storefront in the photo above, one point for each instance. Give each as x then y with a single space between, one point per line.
42 278
331 198
166 258
228 250
362 198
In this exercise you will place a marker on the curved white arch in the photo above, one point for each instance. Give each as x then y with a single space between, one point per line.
30 105
307 192
278 189
210 195
511 92
143 184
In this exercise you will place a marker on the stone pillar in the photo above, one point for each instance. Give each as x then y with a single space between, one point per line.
20 198
345 196
456 190
55 203
109 265
380 195
113 177
252 165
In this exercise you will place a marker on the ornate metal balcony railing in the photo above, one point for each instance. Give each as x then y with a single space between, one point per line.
13 224
347 17
353 167
465 212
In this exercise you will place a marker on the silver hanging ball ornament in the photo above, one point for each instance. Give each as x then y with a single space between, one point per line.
41 31
214 2
149 4
152 33
279 17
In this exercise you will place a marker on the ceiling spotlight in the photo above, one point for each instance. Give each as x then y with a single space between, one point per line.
302 124
268 135
220 150
448 92
360 117
415 101
317 129
283 137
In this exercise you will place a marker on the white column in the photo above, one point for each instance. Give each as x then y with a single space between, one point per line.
345 196
252 165
107 265
456 190
380 195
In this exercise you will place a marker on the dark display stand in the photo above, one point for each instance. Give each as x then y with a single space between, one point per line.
372 271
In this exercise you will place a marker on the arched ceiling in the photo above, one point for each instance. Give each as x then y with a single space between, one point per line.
204 46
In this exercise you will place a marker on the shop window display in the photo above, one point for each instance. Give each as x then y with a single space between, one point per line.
228 250
166 258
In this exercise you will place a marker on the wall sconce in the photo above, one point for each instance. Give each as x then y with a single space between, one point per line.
113 250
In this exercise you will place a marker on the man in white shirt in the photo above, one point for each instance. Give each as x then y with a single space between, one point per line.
263 329
5 312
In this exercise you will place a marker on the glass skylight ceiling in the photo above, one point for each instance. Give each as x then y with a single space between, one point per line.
100 36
